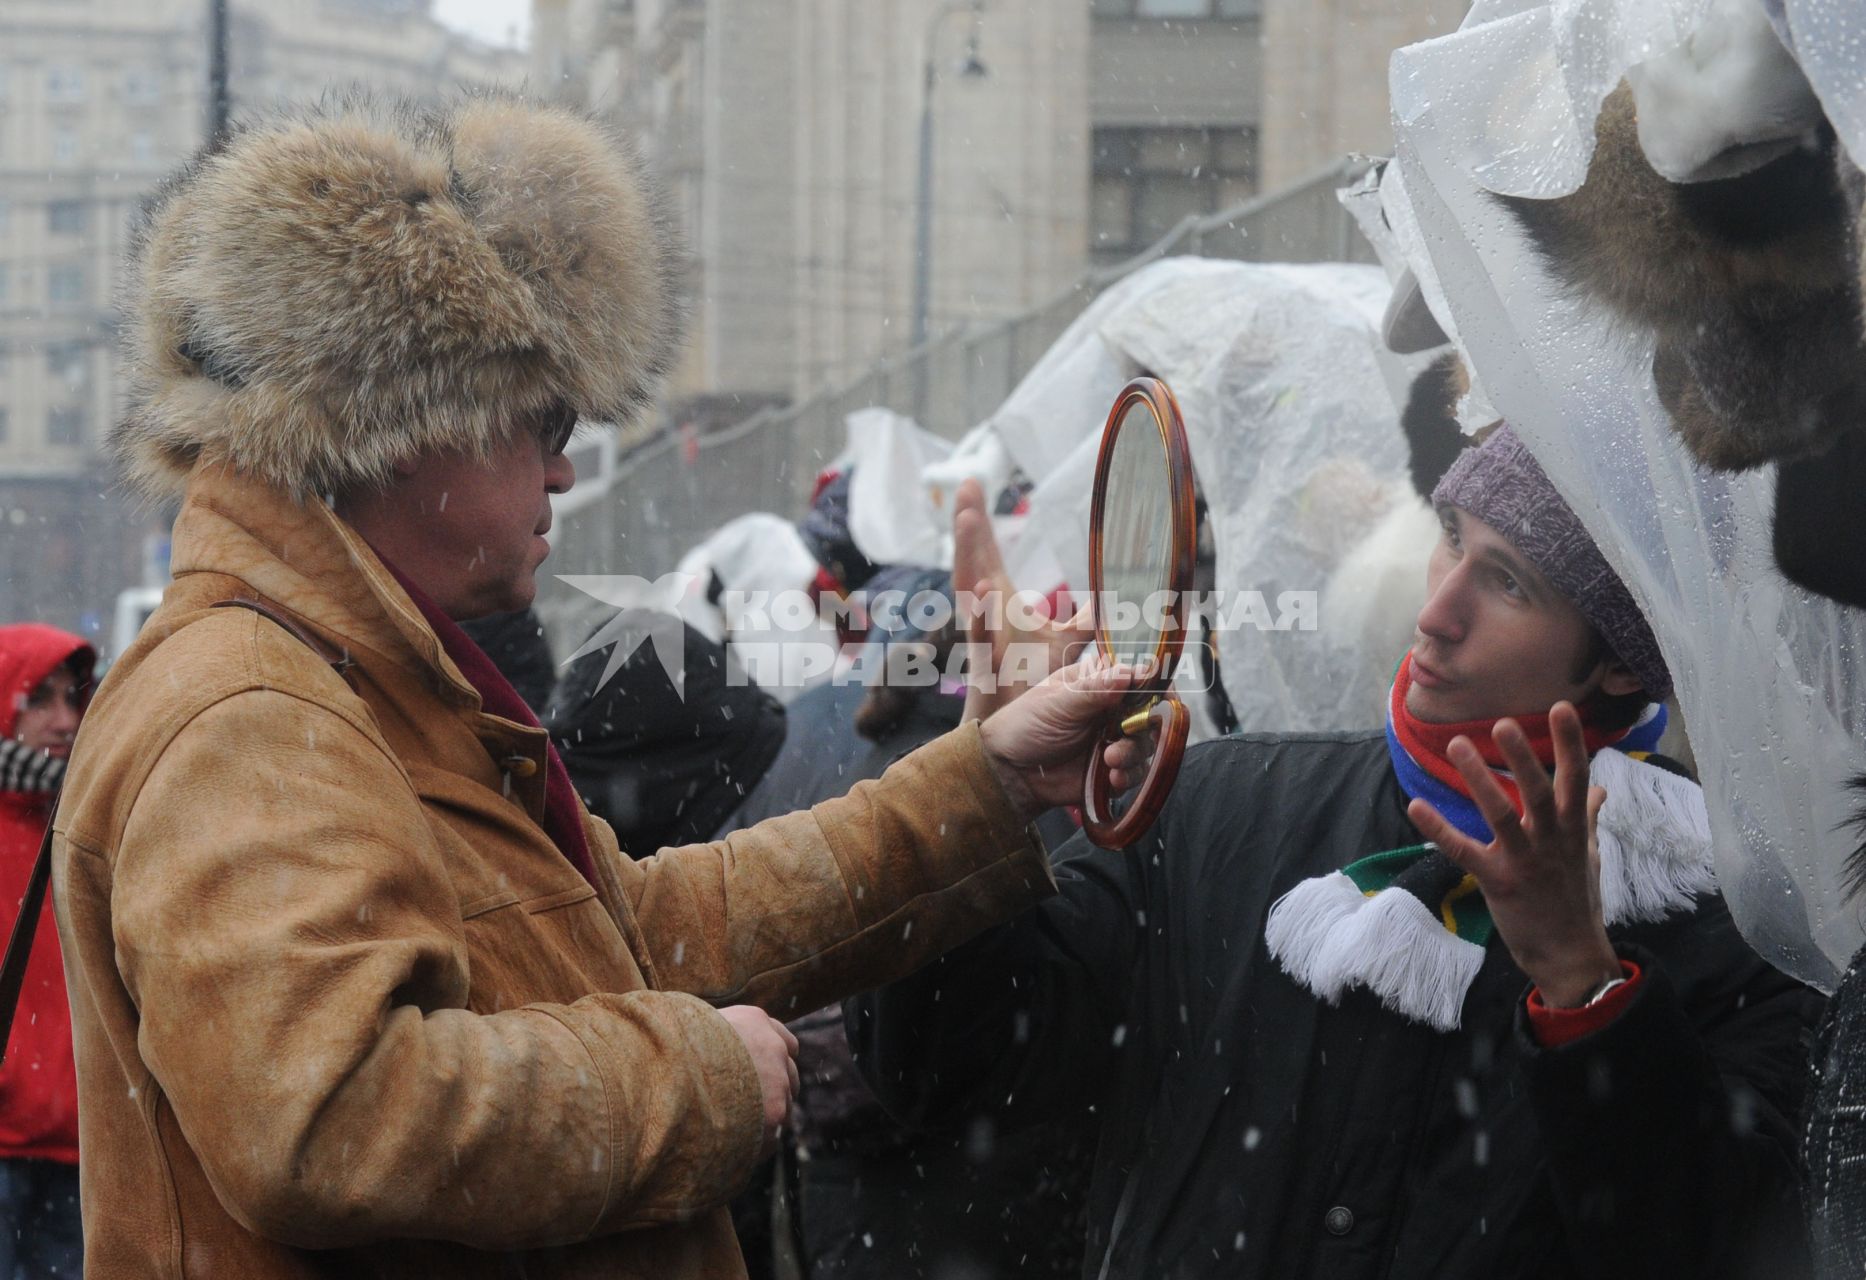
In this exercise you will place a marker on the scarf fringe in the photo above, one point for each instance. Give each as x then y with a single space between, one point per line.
1397 949
1655 860
1661 818
1301 921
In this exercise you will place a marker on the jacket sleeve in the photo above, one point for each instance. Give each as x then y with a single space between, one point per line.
1671 1134
805 909
1024 1023
294 948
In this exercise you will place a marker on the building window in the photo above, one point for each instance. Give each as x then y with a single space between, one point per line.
65 217
1146 181
6 434
142 85
6 279
64 426
1178 8
66 364
64 145
64 84
142 149
64 286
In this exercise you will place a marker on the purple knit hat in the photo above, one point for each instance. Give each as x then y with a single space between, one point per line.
1502 484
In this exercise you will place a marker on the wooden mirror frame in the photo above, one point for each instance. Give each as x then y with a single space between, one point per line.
1148 707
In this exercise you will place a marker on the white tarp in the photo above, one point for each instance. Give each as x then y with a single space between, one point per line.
1770 679
893 517
1296 443
1289 403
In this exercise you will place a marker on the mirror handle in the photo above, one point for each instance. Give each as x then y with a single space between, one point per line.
1171 723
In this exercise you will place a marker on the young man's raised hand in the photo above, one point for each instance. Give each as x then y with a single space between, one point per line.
1540 875
1038 744
978 568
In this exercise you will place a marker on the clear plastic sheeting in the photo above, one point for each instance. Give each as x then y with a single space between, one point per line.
1516 90
1298 451
1828 38
1771 680
1077 373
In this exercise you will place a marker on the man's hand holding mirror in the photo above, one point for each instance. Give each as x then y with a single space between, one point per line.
1141 543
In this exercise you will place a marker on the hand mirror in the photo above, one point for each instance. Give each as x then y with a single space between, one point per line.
1141 542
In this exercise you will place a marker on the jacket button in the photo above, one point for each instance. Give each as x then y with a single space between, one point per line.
519 766
1339 1220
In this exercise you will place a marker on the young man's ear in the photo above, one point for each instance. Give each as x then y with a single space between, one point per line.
1619 680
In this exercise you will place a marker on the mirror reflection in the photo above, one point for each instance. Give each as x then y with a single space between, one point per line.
1137 535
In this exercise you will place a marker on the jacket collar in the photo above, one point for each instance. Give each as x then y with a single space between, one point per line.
302 556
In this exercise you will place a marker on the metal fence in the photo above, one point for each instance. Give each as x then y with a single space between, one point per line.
637 510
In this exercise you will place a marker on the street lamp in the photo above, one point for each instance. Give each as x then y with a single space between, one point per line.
923 204
218 99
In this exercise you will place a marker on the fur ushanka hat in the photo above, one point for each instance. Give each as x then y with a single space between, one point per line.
335 290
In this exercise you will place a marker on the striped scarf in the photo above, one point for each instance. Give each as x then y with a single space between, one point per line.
1421 752
1412 927
26 771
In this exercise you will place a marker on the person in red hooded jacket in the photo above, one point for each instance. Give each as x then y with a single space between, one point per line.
45 678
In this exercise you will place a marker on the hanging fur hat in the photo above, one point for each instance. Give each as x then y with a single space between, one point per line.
335 290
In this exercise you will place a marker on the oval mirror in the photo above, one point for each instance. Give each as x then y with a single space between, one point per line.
1141 544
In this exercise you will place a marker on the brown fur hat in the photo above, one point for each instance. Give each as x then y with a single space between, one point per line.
333 291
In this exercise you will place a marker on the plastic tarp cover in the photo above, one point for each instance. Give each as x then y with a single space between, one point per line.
1770 679
1297 448
755 557
1530 132
894 517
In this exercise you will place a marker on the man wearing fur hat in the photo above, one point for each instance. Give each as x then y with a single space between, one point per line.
1298 1006
357 985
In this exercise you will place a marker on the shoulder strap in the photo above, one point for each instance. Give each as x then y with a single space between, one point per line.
25 928
339 659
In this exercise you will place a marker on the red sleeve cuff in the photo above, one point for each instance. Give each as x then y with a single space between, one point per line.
1554 1028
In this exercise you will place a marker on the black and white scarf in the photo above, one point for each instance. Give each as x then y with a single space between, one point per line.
24 770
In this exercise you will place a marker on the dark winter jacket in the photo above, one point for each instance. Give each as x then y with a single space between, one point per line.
517 646
817 758
876 1201
1836 1139
663 767
1250 1130
38 1084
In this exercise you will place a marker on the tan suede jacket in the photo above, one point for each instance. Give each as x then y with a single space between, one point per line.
342 1009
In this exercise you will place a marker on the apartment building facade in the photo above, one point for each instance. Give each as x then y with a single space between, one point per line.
1325 76
1057 134
98 100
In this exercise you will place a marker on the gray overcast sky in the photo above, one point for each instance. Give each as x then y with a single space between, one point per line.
490 20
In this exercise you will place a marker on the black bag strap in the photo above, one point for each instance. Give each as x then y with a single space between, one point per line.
25 928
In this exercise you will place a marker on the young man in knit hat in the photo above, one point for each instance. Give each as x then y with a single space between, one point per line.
1373 1004
358 988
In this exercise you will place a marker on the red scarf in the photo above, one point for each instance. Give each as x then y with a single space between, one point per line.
563 816
1428 743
